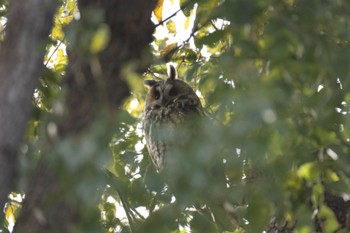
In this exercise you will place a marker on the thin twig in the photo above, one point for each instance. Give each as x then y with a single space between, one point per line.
166 19
137 213
214 26
3 28
127 211
175 13
115 184
153 74
59 44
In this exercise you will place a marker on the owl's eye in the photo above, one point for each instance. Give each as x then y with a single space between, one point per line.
156 94
173 92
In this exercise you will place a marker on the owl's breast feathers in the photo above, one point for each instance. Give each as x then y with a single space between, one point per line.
174 112
160 123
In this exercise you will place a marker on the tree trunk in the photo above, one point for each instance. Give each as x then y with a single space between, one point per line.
21 64
94 86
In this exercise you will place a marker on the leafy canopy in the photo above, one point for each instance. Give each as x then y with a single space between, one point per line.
274 79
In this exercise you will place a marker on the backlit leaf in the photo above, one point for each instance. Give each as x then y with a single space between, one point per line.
309 171
171 26
158 10
100 39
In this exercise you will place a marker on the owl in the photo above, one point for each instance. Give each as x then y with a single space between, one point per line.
170 104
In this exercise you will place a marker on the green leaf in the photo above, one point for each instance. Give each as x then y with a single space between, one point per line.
309 171
330 222
171 26
100 40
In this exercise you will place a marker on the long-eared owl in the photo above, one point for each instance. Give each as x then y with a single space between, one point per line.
170 104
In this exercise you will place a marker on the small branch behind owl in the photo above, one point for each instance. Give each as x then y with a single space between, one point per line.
170 72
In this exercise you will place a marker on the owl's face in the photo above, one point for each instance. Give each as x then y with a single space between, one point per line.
165 92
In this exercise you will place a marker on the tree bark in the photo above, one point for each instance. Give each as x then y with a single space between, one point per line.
21 63
130 33
94 84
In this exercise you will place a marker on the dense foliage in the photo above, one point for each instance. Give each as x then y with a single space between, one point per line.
274 80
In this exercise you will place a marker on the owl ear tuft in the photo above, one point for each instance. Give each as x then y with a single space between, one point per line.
150 83
172 72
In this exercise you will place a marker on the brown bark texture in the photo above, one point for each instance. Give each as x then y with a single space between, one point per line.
101 82
21 63
93 84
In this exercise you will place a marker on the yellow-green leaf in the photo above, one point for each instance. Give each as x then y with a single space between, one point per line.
309 171
61 60
332 176
66 20
187 22
100 39
188 19
158 10
330 222
57 32
171 26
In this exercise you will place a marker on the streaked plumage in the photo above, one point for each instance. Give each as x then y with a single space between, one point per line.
170 104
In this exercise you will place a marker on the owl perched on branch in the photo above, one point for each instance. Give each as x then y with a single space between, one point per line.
173 123
170 104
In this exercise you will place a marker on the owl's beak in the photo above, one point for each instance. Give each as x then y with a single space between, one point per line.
162 102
